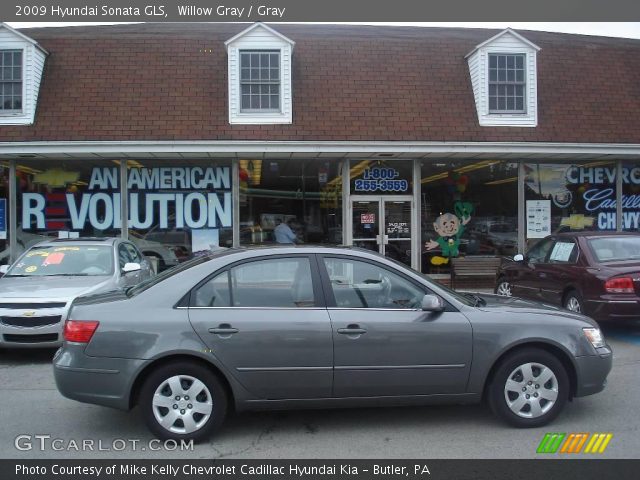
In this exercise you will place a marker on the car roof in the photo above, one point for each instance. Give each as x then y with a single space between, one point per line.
79 241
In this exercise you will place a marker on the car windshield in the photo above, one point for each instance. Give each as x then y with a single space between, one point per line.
615 249
64 260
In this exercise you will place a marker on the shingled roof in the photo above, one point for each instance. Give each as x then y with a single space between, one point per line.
168 81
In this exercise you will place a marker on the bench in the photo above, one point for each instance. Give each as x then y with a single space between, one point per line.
474 266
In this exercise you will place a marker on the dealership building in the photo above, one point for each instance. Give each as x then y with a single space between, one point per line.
421 143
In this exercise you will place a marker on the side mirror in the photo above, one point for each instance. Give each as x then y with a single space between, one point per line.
4 269
518 258
131 267
432 303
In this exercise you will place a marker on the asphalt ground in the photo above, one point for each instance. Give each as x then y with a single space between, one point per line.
31 405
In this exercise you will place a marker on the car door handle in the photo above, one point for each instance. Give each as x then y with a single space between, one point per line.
352 330
224 330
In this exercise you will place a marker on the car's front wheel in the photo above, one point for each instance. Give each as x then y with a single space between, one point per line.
183 401
529 388
503 287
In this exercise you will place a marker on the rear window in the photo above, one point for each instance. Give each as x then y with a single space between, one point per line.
614 249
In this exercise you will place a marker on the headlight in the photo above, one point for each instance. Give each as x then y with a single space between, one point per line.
594 335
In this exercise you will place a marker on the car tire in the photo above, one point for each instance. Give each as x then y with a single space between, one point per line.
185 417
573 302
545 401
503 287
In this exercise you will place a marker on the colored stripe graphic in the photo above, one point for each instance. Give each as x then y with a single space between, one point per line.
574 443
598 443
551 442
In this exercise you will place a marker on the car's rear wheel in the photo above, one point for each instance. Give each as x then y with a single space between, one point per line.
529 388
573 302
183 401
503 287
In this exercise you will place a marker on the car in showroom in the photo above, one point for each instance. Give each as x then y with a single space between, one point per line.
301 326
36 292
594 273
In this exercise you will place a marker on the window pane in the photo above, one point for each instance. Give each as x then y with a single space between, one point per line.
17 58
511 61
283 283
519 90
274 74
255 101
255 60
246 102
519 103
358 284
214 293
511 103
520 61
502 103
17 73
493 103
502 75
275 101
493 61
502 61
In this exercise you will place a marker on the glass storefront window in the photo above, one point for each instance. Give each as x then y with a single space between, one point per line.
179 208
60 199
569 197
290 201
4 213
468 208
631 197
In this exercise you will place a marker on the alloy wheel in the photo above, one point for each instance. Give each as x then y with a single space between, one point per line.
504 289
182 404
531 390
573 304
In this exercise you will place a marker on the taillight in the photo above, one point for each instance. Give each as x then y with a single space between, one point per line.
79 331
619 285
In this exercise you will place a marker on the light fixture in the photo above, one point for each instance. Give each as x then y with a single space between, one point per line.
504 180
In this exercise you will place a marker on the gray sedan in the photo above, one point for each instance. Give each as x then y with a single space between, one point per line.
299 327
37 290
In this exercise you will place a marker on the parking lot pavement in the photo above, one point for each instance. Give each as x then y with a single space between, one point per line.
31 405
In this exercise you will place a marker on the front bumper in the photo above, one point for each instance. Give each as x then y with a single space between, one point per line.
25 336
97 380
592 371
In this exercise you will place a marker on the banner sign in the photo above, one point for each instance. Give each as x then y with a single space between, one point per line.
200 197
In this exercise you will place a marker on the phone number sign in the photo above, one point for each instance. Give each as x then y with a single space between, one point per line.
381 179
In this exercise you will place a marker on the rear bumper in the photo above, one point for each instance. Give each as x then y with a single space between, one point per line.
614 307
592 371
97 380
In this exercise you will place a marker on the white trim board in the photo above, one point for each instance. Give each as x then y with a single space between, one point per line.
365 147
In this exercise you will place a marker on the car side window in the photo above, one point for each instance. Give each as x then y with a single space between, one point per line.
564 251
213 293
134 253
357 284
123 255
539 252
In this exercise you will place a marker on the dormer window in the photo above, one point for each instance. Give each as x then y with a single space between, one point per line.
504 80
10 81
260 92
260 81
21 66
507 83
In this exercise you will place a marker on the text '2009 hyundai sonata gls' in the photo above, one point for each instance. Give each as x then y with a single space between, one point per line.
290 327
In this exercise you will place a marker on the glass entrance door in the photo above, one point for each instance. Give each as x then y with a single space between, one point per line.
383 225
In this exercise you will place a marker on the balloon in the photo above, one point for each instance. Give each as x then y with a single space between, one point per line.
244 175
464 179
461 187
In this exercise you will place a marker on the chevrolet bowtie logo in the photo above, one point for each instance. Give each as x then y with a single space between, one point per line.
30 313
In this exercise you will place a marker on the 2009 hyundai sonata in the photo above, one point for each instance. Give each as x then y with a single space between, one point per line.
291 327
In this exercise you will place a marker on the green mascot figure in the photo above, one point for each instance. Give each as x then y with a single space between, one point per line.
450 227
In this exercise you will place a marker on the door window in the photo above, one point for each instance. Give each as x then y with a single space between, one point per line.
357 284
277 283
214 293
123 256
539 252
134 254
564 251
